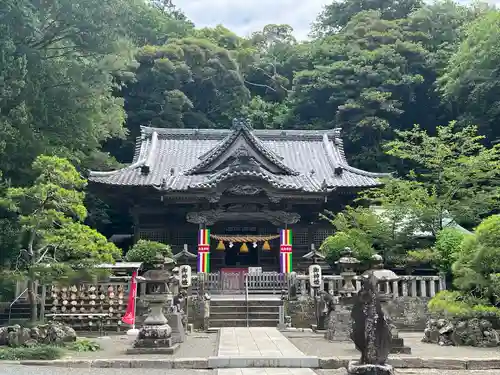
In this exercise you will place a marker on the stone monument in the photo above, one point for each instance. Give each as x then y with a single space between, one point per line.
329 310
176 319
370 331
384 277
155 337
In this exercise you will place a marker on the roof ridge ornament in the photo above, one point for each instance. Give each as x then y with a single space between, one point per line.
251 153
240 123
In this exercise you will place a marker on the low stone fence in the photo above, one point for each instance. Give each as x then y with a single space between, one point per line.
405 286
408 306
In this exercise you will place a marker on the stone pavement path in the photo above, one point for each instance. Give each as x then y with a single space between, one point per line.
258 342
265 371
255 342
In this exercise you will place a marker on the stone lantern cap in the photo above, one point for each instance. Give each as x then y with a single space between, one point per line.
347 259
381 275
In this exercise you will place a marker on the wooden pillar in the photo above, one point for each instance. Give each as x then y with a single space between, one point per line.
135 219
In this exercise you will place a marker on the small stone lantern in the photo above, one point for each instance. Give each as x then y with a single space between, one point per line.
383 278
155 337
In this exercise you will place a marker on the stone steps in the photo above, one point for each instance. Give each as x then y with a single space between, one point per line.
220 323
20 312
222 309
233 313
251 315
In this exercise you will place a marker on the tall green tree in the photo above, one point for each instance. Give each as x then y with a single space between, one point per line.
51 214
454 176
185 83
57 66
471 81
338 14
362 80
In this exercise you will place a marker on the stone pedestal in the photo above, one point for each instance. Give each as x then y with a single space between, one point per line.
339 325
398 346
178 331
355 368
156 335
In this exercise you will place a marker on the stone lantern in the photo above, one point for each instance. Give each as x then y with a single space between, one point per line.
155 337
348 265
339 324
384 278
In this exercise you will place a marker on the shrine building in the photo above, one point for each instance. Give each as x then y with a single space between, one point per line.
231 193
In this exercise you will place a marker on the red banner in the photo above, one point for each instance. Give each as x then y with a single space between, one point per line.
129 317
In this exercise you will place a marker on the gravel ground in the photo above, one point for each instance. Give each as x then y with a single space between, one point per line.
420 372
313 344
33 370
114 347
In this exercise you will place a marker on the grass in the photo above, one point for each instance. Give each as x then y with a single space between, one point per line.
83 345
42 352
46 352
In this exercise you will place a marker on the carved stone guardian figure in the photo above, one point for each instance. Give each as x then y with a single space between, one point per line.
329 311
370 331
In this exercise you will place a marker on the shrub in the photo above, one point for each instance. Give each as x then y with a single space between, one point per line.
42 352
477 261
453 304
446 249
84 345
333 246
147 251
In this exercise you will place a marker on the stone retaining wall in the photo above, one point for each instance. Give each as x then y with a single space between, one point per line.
408 313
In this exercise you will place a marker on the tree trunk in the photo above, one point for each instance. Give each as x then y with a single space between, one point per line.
32 292
32 301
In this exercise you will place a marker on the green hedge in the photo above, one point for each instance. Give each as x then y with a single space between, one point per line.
453 304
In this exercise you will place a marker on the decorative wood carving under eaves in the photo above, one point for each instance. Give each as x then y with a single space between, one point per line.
244 190
204 217
277 218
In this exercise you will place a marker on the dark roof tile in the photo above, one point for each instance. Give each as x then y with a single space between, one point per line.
312 157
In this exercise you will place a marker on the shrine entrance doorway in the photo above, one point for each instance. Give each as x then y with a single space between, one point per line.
247 245
242 254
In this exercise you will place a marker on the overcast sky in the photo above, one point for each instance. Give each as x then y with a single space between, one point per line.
246 16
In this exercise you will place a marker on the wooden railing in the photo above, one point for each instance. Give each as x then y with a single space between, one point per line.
228 283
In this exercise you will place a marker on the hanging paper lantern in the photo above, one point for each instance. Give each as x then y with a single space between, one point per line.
221 246
244 248
266 246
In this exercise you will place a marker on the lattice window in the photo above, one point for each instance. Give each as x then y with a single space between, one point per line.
300 237
321 234
156 234
181 236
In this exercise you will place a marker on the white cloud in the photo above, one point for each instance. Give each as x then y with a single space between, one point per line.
245 16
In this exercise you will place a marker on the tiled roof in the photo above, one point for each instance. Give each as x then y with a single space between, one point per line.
179 160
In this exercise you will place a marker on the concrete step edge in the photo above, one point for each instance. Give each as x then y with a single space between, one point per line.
221 362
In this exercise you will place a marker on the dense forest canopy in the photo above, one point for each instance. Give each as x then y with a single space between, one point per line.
77 80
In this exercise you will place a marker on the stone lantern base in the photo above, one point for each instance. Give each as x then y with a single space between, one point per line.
398 346
339 325
355 368
154 340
